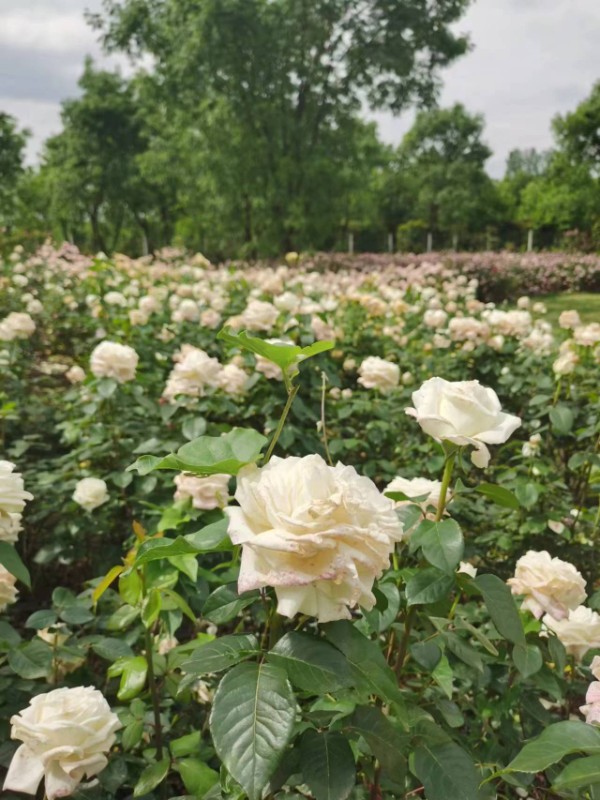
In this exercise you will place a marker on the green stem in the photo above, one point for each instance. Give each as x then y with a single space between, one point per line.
323 425
408 621
152 682
446 478
293 391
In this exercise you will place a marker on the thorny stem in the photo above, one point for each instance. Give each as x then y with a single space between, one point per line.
292 392
152 682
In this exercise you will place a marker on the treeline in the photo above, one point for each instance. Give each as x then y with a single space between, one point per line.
247 137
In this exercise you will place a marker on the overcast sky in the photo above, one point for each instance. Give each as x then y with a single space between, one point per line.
530 60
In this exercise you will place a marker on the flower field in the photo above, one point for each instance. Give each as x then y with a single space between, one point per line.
321 528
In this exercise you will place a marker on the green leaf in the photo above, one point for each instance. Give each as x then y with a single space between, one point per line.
132 734
427 654
209 455
502 608
311 664
385 741
428 586
151 608
562 419
177 600
581 772
286 356
554 743
366 661
327 765
251 722
11 560
446 771
527 495
155 549
442 543
133 675
221 654
498 494
110 648
197 776
41 619
225 603
32 660
210 537
194 427
463 651
528 660
444 676
151 777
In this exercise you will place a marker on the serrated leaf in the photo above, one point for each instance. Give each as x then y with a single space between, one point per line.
502 608
528 660
498 494
197 776
251 722
554 743
151 777
32 660
446 771
442 544
385 741
155 549
312 664
225 603
209 455
581 772
327 765
562 419
221 654
428 586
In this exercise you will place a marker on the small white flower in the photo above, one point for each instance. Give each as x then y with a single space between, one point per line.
90 493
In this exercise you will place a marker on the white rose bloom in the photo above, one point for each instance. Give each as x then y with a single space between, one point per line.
565 363
377 373
467 569
194 372
210 318
138 317
464 413
268 368
569 319
115 299
550 585
435 318
319 534
17 325
205 493
418 487
148 304
232 379
34 306
587 335
65 735
591 709
595 667
288 301
8 590
187 311
75 374
579 633
90 493
12 501
258 316
113 360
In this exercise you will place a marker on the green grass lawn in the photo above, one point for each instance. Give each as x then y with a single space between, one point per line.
588 305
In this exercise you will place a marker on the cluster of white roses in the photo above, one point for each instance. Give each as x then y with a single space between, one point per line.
571 350
195 372
554 591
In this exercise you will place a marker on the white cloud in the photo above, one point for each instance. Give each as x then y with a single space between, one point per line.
47 32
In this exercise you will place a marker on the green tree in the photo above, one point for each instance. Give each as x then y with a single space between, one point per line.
274 89
12 147
444 158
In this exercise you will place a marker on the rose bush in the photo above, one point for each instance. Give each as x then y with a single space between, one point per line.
419 647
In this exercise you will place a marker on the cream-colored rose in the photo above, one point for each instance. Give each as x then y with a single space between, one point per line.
115 299
90 493
56 635
8 590
258 316
565 363
205 493
319 534
549 585
17 325
591 709
66 734
232 379
435 318
377 373
210 318
113 360
194 372
75 374
579 632
34 306
595 667
569 319
187 311
464 413
587 335
418 487
12 501
467 569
